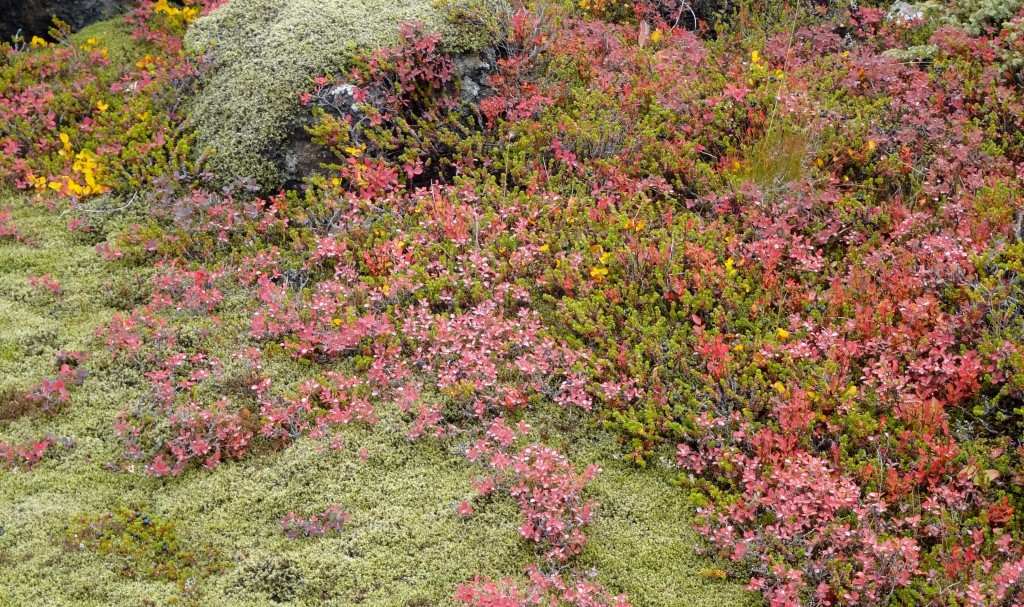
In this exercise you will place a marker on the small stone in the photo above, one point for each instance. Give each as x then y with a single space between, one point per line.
902 11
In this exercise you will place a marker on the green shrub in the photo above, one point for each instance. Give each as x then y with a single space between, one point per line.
974 16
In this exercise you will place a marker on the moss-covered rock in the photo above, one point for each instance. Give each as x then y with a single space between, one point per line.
264 53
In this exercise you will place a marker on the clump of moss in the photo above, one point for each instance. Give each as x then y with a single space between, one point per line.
279 579
145 544
114 35
265 53
15 403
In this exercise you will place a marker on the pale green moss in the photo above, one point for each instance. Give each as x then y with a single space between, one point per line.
34 325
116 36
265 53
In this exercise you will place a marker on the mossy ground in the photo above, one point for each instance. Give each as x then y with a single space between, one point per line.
405 544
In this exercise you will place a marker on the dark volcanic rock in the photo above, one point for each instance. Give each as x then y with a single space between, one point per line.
34 17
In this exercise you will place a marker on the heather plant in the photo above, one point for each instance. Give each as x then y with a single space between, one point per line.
331 519
542 589
7 229
25 455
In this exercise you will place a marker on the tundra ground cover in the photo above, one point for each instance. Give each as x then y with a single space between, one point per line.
774 256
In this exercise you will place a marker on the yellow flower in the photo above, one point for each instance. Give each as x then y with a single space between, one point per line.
714 574
755 57
737 348
544 248
729 269
93 41
37 41
871 146
656 36
66 145
782 333
598 274
604 258
101 106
